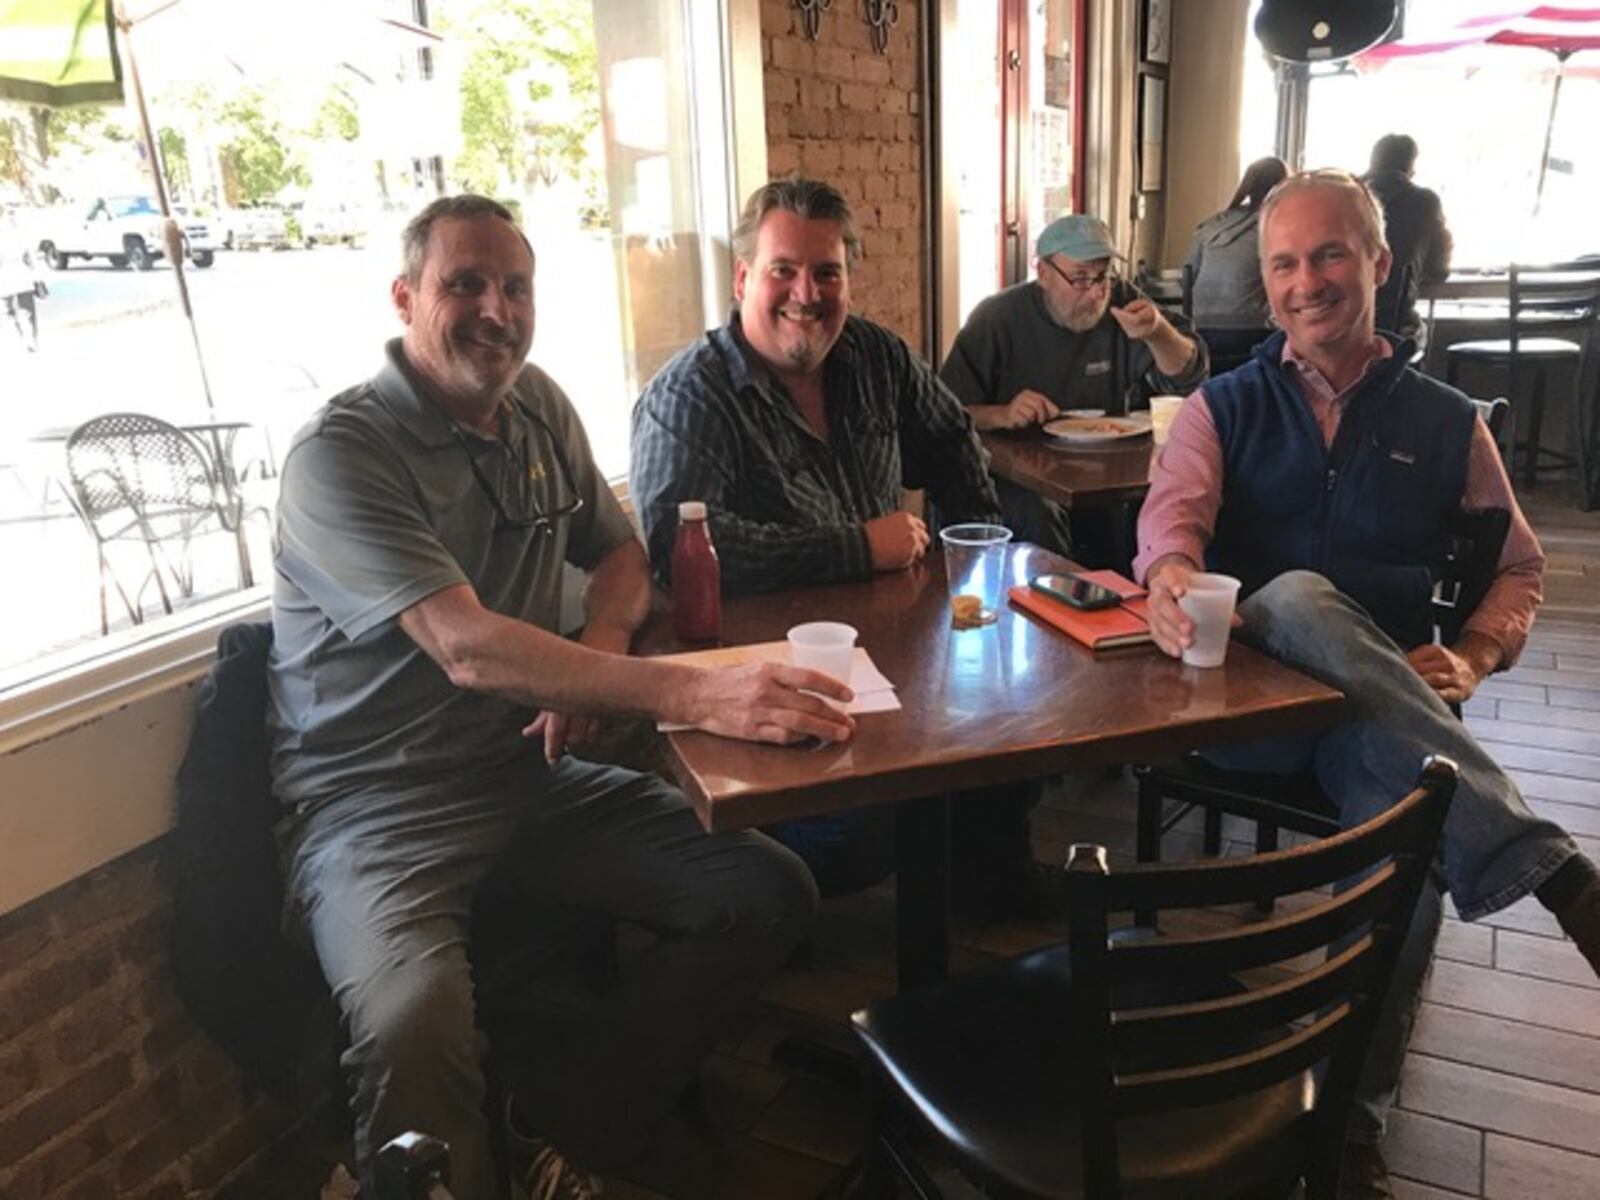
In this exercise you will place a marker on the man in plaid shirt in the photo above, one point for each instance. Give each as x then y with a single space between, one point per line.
800 426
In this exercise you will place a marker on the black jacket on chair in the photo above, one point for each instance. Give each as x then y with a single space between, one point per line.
260 997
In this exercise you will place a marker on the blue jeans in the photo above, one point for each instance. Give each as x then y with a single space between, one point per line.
389 887
1495 851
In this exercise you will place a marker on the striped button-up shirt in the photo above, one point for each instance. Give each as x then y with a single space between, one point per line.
786 507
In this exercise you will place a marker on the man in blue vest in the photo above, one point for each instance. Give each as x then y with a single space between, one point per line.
1325 473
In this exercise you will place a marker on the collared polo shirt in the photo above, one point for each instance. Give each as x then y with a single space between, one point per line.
380 508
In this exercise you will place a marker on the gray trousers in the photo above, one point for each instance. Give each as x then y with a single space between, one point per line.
542 867
1495 850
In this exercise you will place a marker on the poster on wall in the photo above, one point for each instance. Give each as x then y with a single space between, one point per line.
1158 31
1152 131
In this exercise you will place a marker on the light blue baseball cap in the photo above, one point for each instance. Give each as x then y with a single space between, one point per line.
1079 236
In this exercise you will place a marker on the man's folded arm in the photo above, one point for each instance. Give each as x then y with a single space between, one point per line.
760 556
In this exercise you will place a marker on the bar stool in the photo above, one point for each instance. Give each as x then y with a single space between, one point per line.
1550 325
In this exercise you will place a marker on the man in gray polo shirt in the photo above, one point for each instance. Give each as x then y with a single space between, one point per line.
423 523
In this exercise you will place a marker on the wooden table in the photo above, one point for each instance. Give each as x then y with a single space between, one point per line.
1013 701
1074 475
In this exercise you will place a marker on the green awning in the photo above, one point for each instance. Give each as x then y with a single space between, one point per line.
59 52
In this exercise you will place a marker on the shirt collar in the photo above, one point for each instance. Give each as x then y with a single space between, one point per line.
746 368
401 394
1379 351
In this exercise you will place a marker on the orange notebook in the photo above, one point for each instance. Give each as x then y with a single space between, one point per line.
1100 628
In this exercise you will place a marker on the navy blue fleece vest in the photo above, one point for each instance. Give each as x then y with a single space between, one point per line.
1371 512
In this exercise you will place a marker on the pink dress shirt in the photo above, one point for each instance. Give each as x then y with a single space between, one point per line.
1180 512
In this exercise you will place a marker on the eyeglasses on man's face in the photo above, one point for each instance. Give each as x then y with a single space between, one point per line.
1082 281
514 495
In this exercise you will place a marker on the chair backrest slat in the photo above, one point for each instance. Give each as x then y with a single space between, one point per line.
1163 1032
1212 882
1282 937
1223 1079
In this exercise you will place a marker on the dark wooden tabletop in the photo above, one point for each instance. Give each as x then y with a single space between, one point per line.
1074 476
1010 701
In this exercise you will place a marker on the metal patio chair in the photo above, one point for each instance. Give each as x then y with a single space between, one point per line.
140 482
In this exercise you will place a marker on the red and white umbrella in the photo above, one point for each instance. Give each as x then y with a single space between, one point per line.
1558 29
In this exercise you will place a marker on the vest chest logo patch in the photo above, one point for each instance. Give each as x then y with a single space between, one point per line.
1405 459
1097 368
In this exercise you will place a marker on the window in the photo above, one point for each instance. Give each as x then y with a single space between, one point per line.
1016 132
292 164
1481 116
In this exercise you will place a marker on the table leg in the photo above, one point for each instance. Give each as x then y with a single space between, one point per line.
922 892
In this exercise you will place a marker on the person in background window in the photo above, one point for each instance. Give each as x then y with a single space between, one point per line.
19 283
423 526
800 425
1415 229
1227 291
1074 337
1325 474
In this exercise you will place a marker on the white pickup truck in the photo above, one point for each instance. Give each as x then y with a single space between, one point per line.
126 230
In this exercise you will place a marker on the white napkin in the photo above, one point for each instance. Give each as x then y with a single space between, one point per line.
874 692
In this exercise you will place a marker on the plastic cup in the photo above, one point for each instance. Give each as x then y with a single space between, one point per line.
826 646
975 564
1208 600
1162 411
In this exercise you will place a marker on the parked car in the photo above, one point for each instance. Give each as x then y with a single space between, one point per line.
126 230
334 224
257 228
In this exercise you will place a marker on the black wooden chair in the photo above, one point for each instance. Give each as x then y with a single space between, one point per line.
1201 1064
1297 802
1550 325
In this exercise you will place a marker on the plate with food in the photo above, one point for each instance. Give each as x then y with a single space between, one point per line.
1098 429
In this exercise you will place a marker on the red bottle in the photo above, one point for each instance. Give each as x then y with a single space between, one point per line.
696 577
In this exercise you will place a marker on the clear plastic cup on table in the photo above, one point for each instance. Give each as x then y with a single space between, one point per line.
975 564
1208 600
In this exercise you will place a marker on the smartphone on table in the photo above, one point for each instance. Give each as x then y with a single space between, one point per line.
1075 590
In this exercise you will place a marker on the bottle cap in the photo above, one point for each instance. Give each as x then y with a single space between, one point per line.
692 510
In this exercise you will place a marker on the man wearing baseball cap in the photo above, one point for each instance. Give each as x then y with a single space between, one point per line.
1076 336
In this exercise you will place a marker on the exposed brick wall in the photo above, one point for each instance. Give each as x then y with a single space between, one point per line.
106 1087
838 111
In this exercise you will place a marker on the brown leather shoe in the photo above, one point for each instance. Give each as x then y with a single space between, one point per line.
1363 1175
1580 921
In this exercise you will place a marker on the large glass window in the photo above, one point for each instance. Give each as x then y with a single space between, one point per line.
296 139
1480 114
